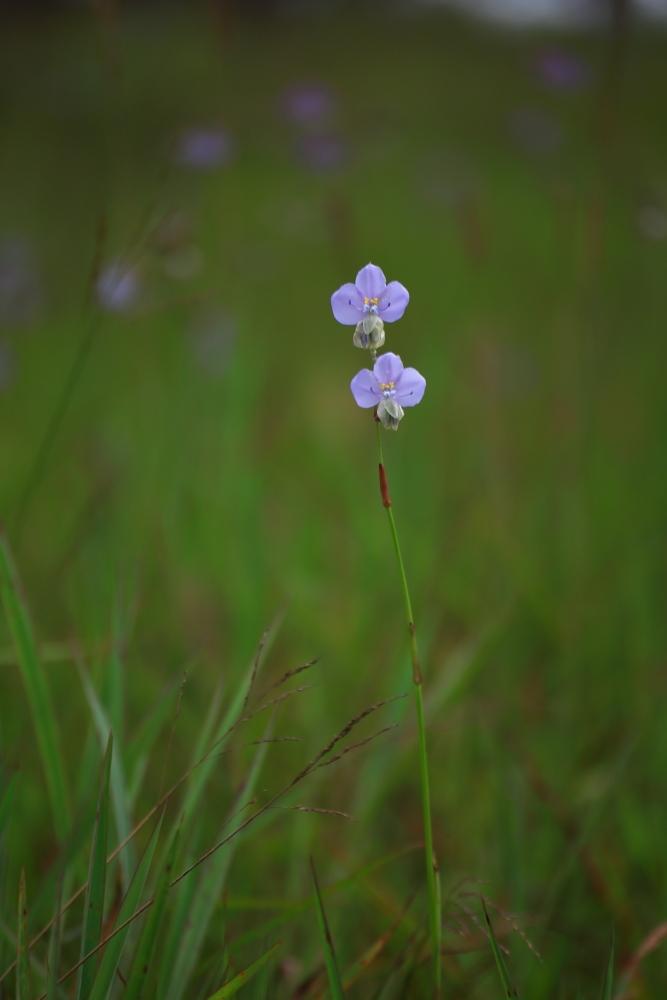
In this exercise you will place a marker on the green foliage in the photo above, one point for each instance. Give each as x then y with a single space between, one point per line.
174 475
333 973
36 687
93 915
230 988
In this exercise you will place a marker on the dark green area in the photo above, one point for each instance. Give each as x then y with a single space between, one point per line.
181 505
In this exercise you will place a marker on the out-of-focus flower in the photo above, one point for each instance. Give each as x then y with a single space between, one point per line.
389 387
561 70
7 365
370 295
118 287
20 292
309 105
205 148
321 153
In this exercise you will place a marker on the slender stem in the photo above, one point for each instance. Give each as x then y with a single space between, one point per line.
432 869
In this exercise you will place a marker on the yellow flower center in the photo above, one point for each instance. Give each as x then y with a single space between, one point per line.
371 302
387 386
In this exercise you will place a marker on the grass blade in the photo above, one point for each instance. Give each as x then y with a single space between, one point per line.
211 887
97 874
37 690
138 975
333 974
244 976
118 784
54 947
112 952
501 965
22 967
608 984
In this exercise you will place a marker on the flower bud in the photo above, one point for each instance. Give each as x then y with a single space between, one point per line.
369 333
389 413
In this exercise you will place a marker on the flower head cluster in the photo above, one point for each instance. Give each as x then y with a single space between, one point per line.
367 304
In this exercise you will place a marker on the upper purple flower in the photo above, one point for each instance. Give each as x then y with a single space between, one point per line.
370 293
388 380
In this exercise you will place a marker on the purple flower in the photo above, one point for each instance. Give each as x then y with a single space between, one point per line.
205 148
308 105
118 287
389 387
370 295
562 71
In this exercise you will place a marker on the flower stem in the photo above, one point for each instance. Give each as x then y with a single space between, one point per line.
432 869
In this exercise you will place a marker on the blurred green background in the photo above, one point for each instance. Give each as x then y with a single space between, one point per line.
182 461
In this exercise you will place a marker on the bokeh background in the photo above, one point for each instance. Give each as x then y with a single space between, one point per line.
183 186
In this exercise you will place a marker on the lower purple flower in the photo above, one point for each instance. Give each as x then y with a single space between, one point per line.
389 387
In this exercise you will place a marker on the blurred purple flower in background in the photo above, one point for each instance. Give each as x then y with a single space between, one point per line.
309 105
118 287
205 148
20 291
561 70
390 387
7 365
370 294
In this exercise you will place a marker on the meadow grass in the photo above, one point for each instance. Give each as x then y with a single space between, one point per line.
166 495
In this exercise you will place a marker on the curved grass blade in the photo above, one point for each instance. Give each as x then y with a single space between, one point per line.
138 975
97 875
501 965
608 984
232 987
22 967
211 886
37 689
52 990
118 785
333 973
112 952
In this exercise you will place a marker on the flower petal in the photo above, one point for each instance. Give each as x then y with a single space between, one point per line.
393 301
371 281
346 304
410 387
365 389
388 367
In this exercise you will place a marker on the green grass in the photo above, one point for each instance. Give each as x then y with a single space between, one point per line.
159 514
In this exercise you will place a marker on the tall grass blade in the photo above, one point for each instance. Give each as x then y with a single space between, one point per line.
112 953
22 967
97 874
211 886
34 680
244 976
608 984
55 939
333 974
118 786
138 975
501 965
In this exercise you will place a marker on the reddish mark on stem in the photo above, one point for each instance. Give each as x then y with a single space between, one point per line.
384 486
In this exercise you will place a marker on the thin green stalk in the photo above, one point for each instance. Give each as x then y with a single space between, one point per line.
432 870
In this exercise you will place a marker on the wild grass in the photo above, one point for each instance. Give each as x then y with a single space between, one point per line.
162 501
